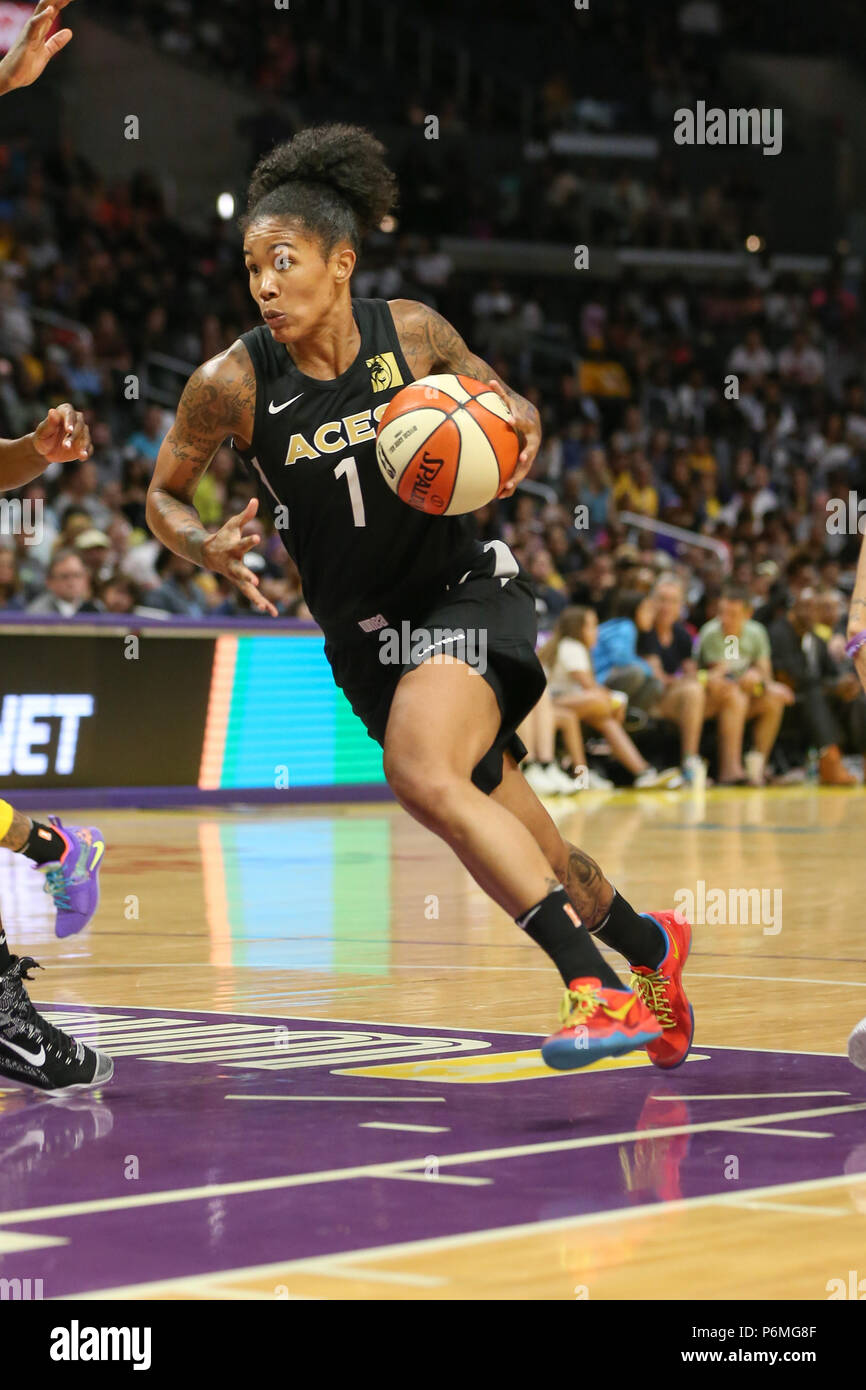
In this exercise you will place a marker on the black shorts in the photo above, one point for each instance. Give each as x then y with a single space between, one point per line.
486 618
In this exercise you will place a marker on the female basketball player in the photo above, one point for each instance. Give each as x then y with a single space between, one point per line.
301 396
31 1050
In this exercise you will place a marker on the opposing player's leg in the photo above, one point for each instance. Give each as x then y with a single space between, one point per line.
443 720
32 1051
656 944
69 856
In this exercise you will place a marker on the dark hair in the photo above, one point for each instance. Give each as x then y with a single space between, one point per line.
738 592
626 603
798 563
74 510
331 178
118 580
60 557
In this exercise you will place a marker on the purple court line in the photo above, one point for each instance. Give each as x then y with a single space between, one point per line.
147 798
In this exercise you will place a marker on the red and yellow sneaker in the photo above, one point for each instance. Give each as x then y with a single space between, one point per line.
662 991
598 1023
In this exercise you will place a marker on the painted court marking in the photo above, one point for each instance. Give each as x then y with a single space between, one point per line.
418 1129
482 1135
388 1100
467 1239
374 1170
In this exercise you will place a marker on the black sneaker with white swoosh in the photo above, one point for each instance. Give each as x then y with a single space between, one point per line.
35 1053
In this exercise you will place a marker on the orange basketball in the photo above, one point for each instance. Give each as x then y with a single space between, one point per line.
445 444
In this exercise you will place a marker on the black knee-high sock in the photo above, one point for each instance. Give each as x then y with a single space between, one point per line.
43 845
5 953
638 938
554 925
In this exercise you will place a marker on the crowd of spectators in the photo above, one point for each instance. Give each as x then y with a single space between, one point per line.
731 410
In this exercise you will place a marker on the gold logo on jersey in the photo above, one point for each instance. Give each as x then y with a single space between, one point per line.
384 371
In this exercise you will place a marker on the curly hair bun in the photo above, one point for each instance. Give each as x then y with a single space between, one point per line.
346 161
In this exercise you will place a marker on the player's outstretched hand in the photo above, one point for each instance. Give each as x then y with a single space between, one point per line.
224 553
63 435
32 51
529 435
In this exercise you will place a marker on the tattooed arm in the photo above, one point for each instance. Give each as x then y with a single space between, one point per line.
218 400
430 344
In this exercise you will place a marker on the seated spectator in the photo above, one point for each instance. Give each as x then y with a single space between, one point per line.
81 491
830 624
736 649
665 643
615 659
541 770
547 585
135 482
68 587
565 657
751 358
801 661
180 591
566 553
146 441
635 490
12 599
596 586
94 548
74 521
594 490
800 364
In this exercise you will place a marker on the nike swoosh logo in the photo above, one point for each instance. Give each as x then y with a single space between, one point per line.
275 409
620 1013
446 642
36 1059
99 846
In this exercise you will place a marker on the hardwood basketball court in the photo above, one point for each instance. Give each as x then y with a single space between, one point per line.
327 1082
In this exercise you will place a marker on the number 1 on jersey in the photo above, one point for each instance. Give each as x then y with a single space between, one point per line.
349 469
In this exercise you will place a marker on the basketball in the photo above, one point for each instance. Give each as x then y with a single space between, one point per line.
445 444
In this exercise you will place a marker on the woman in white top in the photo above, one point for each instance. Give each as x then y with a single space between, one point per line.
566 658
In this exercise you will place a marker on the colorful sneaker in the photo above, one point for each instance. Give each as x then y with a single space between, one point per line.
73 882
662 992
598 1023
35 1053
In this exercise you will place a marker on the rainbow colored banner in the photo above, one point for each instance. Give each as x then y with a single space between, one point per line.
276 719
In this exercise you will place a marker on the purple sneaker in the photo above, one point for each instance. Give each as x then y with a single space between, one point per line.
73 881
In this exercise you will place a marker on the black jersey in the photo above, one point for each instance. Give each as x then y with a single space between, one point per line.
358 548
